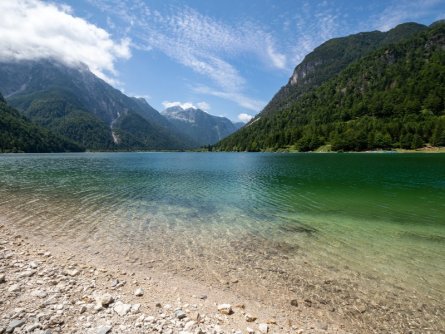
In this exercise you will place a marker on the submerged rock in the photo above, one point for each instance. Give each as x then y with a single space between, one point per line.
297 227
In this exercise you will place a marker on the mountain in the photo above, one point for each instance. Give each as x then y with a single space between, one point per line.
331 57
18 134
203 128
239 125
365 91
73 102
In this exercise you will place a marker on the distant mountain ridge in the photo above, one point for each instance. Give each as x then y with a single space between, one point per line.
362 92
73 102
203 128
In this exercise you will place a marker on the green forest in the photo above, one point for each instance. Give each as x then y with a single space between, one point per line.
392 97
18 134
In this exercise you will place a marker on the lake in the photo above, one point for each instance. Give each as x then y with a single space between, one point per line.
368 229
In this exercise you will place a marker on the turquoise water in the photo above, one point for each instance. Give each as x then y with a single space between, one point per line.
381 216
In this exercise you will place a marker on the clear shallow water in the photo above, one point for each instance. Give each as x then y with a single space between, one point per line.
379 215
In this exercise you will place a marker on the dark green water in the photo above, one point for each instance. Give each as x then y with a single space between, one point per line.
380 214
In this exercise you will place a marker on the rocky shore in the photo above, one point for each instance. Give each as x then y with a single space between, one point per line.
45 290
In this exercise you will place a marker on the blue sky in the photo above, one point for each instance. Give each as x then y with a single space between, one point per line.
227 57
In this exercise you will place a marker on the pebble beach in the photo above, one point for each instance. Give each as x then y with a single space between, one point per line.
48 290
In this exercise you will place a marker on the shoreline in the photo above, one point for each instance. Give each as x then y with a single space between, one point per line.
423 150
341 305
47 286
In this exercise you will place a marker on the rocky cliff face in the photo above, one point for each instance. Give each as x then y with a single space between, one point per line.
302 71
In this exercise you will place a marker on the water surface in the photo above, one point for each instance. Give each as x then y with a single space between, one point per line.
378 216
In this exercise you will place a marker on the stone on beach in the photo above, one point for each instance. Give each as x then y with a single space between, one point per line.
225 309
180 314
264 328
135 308
189 325
13 325
27 273
250 318
104 300
14 288
139 292
308 302
72 273
39 293
104 329
121 308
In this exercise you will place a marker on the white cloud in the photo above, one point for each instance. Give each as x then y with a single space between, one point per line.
203 106
241 99
204 44
315 24
278 59
404 11
141 96
317 21
32 30
187 105
245 117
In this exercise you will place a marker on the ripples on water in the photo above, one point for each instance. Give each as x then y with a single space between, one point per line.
380 214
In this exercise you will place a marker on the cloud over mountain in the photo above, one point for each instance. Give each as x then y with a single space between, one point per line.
187 105
31 29
245 117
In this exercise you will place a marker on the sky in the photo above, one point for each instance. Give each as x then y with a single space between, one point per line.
227 58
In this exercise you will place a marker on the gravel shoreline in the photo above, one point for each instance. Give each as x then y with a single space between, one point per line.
46 289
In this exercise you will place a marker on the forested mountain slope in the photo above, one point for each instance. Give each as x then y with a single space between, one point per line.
17 134
73 102
331 57
391 97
